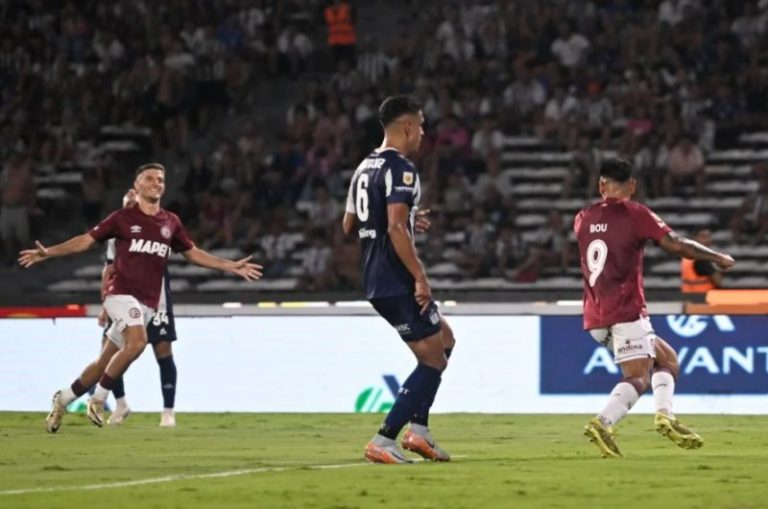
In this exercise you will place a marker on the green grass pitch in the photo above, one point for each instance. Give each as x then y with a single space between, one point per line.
269 460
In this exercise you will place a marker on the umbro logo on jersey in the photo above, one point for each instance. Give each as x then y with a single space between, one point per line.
135 229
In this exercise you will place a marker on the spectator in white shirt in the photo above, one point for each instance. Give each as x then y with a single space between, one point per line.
323 210
492 177
570 48
597 113
559 118
316 262
750 26
524 95
672 12
295 48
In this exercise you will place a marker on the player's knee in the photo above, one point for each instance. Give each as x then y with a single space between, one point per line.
434 358
135 345
640 382
670 364
162 350
673 368
439 362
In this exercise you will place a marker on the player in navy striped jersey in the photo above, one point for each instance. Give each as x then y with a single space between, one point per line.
161 332
381 206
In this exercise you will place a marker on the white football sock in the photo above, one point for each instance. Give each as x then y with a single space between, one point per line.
100 394
67 395
622 398
121 403
663 385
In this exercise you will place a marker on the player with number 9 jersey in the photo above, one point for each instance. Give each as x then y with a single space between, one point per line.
611 235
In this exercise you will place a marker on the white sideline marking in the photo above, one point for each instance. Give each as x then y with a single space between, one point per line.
179 477
182 477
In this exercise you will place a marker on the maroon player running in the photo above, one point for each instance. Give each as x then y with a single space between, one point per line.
145 235
611 235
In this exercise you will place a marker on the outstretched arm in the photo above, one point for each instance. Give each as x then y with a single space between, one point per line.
29 257
242 267
687 248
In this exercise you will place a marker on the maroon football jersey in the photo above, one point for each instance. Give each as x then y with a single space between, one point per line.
143 244
611 235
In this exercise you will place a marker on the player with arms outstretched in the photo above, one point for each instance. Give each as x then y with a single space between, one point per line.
145 235
611 235
161 333
383 194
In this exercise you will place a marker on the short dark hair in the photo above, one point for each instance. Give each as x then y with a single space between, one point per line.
149 166
396 106
618 170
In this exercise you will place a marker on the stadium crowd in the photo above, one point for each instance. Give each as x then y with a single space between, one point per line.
662 83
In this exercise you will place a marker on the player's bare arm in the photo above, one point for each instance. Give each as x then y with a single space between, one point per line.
348 223
107 273
397 218
29 257
687 248
243 267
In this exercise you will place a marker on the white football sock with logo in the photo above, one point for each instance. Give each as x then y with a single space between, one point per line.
622 398
663 384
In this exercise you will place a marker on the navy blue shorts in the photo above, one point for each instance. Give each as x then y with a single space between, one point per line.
162 327
404 314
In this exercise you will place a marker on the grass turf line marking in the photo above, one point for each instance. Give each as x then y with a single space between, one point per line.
181 477
173 478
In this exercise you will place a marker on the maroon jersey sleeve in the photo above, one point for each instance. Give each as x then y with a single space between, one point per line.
181 241
648 225
107 228
577 222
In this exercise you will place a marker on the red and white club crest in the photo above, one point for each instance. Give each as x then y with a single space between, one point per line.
165 232
134 312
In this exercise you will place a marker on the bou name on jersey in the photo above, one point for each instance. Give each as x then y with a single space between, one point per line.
142 246
382 178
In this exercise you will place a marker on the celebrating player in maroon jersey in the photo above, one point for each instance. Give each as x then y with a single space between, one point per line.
145 235
611 235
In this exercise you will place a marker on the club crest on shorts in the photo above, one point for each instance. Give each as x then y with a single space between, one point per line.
134 312
407 178
165 232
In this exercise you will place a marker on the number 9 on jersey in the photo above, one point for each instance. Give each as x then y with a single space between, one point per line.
597 254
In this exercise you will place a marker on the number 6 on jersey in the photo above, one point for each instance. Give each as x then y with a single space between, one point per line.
361 200
597 254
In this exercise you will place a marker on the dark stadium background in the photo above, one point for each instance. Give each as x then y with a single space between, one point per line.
260 125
